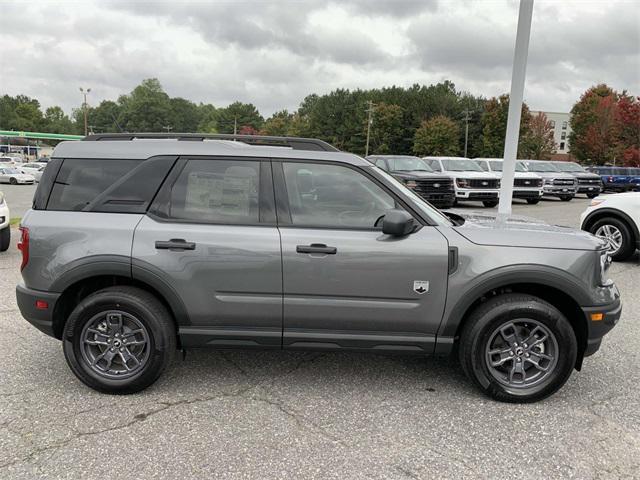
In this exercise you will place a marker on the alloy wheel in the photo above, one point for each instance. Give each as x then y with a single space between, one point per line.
612 235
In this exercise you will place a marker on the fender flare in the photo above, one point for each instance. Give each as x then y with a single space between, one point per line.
612 212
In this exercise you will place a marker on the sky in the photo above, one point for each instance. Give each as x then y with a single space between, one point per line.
274 53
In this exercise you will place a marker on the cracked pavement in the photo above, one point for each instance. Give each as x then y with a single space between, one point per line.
254 414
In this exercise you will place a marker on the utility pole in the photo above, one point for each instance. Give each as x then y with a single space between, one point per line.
369 122
466 129
235 124
84 108
168 128
515 106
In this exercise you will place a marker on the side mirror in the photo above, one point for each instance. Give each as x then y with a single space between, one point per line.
397 223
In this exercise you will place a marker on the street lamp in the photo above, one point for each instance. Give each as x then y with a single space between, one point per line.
84 107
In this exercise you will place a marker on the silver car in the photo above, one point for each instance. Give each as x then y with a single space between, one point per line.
14 176
139 244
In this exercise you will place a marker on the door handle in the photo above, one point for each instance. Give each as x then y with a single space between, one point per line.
175 244
316 248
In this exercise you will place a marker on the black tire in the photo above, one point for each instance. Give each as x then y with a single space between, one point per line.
566 198
592 195
480 330
159 334
628 247
489 203
533 201
13 181
5 239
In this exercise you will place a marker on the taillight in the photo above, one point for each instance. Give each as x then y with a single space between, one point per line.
23 246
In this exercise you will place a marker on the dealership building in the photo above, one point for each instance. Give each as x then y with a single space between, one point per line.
561 129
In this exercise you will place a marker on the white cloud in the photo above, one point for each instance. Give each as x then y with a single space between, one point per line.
274 53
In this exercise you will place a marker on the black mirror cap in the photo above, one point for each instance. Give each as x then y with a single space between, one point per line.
397 223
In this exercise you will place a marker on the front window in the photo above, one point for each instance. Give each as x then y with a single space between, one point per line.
541 167
11 171
323 195
569 167
496 166
408 164
460 165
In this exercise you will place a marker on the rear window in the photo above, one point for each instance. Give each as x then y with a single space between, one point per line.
112 185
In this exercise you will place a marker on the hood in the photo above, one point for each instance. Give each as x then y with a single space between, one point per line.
520 231
584 175
417 175
485 175
554 175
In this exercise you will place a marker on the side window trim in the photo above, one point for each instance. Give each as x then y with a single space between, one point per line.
282 198
159 208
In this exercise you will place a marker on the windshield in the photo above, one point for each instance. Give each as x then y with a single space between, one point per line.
496 166
12 171
460 165
568 167
408 164
419 202
541 167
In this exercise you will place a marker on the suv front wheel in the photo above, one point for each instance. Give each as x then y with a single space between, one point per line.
518 348
119 340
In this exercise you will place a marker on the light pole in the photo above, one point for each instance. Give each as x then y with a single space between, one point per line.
84 108
515 106
369 121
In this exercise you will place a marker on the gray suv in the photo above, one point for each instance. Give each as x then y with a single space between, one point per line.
140 245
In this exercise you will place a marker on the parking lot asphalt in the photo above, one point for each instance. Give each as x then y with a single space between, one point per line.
254 414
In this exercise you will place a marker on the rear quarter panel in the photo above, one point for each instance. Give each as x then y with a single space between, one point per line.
63 241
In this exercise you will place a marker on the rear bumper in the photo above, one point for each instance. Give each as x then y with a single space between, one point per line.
40 318
597 329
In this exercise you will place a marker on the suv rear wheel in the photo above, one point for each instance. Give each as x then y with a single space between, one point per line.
119 340
518 348
489 203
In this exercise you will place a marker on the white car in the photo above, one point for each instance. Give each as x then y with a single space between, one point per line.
34 169
14 176
5 231
526 185
470 181
616 218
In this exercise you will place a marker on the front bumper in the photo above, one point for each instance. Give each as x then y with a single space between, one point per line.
462 194
558 190
597 329
589 189
527 194
41 318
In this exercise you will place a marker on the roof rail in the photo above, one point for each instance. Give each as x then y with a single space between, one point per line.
295 143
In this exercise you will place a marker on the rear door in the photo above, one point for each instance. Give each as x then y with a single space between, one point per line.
345 283
210 237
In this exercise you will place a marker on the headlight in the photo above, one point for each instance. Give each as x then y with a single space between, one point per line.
411 183
539 183
605 263
549 181
596 201
499 183
1 198
462 183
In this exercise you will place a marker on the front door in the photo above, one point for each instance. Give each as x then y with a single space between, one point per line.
345 283
211 239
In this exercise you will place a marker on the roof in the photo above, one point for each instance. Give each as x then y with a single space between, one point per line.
143 148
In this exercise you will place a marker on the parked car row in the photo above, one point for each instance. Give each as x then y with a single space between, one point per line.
618 179
20 173
444 181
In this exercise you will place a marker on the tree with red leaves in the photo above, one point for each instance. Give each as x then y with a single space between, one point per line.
628 120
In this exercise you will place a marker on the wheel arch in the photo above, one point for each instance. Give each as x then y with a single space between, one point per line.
564 294
600 213
81 287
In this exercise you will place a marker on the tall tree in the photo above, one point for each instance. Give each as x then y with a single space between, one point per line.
438 136
387 130
592 125
147 108
538 143
184 115
628 129
278 124
240 115
55 121
494 129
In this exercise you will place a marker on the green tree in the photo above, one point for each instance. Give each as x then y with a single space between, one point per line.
494 126
184 115
387 129
539 143
56 121
278 124
208 115
20 113
146 109
438 136
240 115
